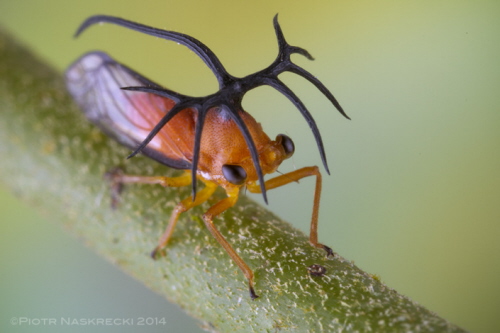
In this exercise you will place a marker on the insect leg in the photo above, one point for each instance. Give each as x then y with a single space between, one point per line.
117 178
182 180
215 210
182 207
293 177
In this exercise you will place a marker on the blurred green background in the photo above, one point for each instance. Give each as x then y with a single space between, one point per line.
414 194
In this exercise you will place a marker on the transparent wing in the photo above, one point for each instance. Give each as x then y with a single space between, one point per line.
95 81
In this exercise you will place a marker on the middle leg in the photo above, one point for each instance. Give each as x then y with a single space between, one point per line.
183 206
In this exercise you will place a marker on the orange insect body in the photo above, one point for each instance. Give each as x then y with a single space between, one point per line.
212 138
223 144
221 141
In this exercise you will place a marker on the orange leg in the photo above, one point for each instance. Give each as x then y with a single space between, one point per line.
118 178
212 212
182 207
293 177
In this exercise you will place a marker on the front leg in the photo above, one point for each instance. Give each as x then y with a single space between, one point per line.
293 177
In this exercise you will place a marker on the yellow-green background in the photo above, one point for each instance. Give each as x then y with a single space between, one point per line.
414 194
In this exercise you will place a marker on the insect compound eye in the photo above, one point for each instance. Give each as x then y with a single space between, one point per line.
234 174
287 144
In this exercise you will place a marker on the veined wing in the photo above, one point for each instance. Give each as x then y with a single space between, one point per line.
95 81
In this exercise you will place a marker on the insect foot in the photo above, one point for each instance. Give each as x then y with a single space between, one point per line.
157 253
113 177
329 251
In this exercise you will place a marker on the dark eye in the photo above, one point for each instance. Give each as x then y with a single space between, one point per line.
234 174
287 144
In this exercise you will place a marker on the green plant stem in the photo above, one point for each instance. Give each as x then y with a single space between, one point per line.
53 159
